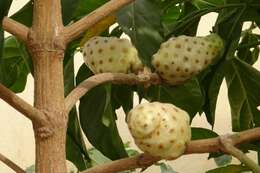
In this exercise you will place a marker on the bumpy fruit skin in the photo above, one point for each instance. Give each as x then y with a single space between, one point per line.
160 129
180 58
111 54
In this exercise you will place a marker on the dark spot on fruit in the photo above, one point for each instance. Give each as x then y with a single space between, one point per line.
178 69
174 118
91 52
101 62
186 58
182 130
112 47
96 42
172 141
101 71
172 76
207 53
110 60
163 119
165 126
197 61
166 67
202 43
161 146
177 46
84 54
183 76
206 62
172 130
100 50
192 73
162 73
125 50
93 63
188 49
148 145
195 42
157 64
172 62
158 133
186 40
186 70
105 40
145 125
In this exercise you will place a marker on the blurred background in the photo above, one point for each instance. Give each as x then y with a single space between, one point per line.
16 135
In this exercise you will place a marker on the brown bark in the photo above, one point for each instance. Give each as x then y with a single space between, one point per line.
47 50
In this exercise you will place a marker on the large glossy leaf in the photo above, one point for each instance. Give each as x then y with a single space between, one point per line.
201 133
4 8
76 150
202 4
182 96
244 95
97 119
87 6
15 65
142 22
229 169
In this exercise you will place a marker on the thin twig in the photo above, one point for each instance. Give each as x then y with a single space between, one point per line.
22 106
196 146
229 148
17 29
118 78
74 30
11 164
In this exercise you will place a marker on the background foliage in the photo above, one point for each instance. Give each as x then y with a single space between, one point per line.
149 23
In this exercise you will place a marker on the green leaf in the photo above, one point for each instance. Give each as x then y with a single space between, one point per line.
229 169
87 6
201 133
68 9
141 22
211 85
76 150
25 14
223 160
182 96
248 49
202 4
165 168
243 83
15 65
122 95
4 8
97 119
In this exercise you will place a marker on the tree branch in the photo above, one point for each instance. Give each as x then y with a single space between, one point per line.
22 106
11 164
116 78
76 29
228 147
19 30
196 146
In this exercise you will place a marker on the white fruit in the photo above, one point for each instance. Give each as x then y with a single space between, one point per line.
111 54
160 129
180 58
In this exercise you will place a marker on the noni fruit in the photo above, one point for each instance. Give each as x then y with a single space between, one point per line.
180 58
111 54
160 129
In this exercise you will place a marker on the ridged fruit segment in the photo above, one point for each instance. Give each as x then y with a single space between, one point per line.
180 58
160 129
111 54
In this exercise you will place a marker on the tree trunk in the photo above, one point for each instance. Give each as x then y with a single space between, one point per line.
47 50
